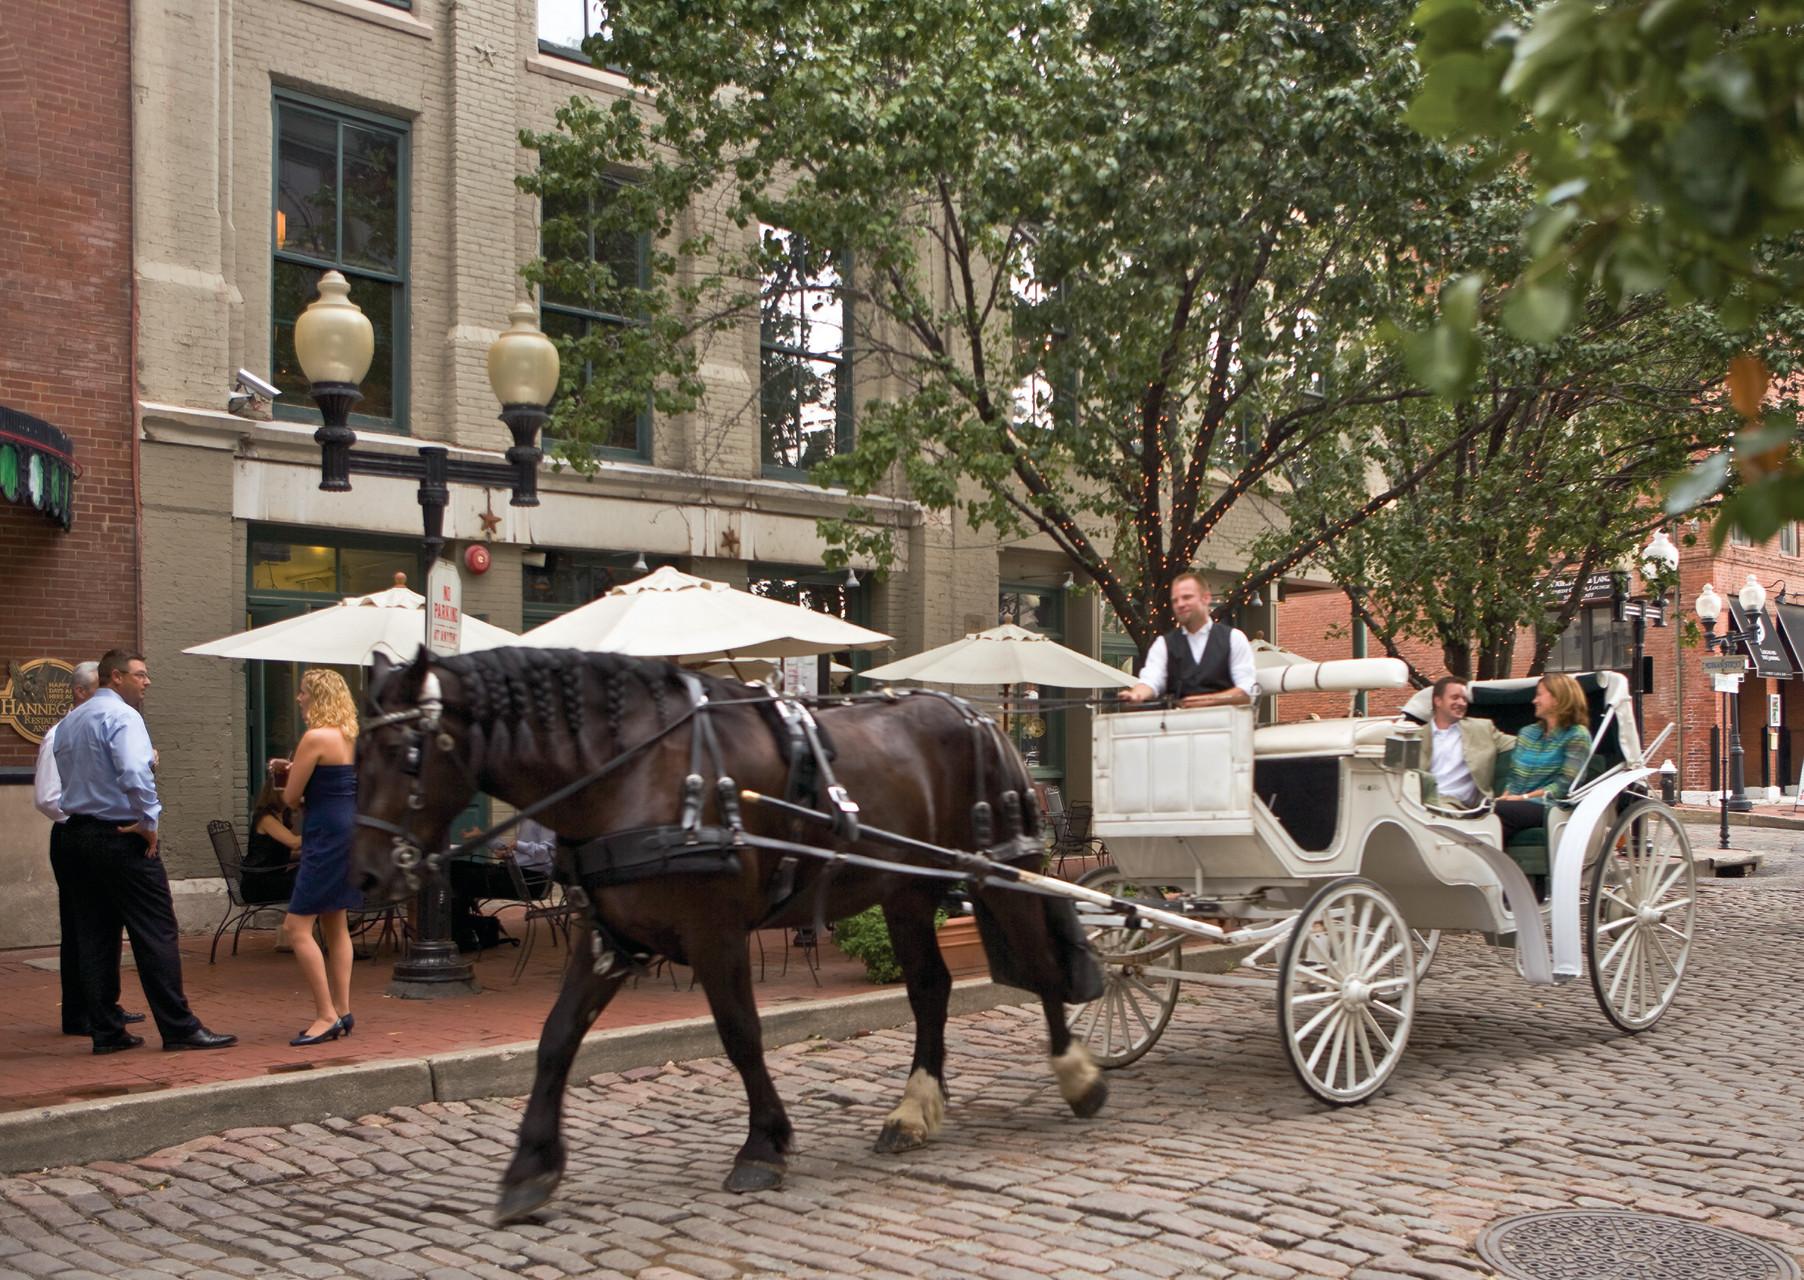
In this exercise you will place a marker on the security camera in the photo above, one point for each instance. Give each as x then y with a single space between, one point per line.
251 395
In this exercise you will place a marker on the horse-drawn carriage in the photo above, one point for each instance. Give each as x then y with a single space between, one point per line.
1316 852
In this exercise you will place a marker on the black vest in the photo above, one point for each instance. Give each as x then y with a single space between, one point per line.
1209 674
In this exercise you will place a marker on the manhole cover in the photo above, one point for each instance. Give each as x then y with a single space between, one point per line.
1603 1244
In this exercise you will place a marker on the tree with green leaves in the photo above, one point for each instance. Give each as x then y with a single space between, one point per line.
1666 141
1116 264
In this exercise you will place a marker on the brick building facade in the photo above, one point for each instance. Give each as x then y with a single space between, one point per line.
65 376
1319 625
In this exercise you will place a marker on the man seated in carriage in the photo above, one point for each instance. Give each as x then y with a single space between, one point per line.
1198 664
1463 749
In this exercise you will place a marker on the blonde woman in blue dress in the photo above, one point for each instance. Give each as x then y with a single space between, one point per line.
323 775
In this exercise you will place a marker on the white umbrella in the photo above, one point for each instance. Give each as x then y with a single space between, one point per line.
1267 654
351 632
1004 655
757 668
670 614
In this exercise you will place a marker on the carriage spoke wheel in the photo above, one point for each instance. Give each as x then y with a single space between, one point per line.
1428 945
1347 991
1129 1016
1639 921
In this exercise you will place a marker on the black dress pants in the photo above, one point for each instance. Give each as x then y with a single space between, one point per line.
1519 815
75 1002
119 886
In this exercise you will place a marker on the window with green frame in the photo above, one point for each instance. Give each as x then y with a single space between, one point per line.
340 204
1040 736
289 572
805 371
570 579
581 303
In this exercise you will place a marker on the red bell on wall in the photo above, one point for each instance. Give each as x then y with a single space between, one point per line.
476 558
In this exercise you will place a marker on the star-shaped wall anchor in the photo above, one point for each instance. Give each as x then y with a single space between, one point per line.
486 53
729 543
490 521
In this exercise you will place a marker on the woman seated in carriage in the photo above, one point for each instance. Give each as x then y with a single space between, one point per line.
1547 758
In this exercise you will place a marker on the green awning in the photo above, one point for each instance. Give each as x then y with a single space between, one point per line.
37 465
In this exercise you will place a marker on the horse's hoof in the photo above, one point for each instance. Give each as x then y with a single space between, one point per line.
1091 1101
897 1137
519 1199
754 1175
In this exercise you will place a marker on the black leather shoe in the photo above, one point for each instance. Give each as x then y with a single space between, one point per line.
132 1017
118 1046
201 1039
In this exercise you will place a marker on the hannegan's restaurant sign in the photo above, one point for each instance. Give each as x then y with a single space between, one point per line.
36 695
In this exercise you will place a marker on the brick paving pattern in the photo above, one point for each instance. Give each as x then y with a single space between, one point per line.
1208 1161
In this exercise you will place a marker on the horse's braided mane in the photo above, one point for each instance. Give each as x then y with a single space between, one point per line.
521 687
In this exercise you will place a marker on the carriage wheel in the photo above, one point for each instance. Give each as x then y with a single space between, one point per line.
1643 909
1129 1016
1428 945
1346 991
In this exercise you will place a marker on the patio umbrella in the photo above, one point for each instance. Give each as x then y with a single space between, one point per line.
351 632
670 614
1004 655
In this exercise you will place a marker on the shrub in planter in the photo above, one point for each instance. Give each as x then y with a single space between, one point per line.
865 937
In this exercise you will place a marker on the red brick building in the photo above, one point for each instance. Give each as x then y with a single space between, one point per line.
68 476
1319 625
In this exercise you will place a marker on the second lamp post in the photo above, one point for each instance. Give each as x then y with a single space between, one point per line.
334 342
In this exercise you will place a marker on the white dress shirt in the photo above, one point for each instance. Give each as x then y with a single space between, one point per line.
1452 777
47 783
1240 660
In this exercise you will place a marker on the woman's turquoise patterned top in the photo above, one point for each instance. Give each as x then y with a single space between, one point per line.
1550 760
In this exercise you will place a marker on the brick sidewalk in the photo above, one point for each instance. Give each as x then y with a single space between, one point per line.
258 996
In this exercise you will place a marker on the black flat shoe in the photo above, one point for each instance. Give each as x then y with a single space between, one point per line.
118 1046
202 1039
330 1033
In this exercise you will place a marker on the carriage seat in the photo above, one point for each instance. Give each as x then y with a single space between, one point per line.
1321 737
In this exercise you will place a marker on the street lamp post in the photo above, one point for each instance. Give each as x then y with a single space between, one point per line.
1709 607
334 342
1658 561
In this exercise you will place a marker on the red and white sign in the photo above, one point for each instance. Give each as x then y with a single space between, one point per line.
444 609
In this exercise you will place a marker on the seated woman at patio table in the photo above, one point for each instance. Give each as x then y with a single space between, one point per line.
1548 756
272 855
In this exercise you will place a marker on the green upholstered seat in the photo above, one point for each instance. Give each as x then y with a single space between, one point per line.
1529 850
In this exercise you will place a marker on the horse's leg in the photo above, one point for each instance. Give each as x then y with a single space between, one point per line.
1081 1082
917 1117
723 965
538 1162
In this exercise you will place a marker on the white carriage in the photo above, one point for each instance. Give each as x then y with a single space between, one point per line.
1311 850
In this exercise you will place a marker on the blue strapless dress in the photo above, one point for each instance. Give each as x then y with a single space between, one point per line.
324 881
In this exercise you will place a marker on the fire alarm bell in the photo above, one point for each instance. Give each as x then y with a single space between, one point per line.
476 558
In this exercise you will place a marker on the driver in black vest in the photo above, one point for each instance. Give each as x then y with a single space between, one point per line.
1199 664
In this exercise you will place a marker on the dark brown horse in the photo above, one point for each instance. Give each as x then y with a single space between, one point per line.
612 743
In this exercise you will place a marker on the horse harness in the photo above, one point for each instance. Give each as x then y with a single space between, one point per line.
692 846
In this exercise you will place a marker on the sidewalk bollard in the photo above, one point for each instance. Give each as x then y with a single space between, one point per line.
1669 783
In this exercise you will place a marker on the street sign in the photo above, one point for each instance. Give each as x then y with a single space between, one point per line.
1725 684
1732 664
444 608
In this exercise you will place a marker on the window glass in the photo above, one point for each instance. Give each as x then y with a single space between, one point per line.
823 591
569 579
564 24
577 307
804 389
1038 735
284 566
339 202
1788 539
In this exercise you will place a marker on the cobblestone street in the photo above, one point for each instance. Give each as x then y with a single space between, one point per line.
1209 1160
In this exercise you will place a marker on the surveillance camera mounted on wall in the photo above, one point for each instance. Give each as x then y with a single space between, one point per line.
251 396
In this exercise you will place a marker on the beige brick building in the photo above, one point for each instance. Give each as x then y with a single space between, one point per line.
276 138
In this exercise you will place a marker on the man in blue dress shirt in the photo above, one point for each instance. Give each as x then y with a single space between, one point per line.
104 757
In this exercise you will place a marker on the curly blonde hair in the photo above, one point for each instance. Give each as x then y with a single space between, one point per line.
329 704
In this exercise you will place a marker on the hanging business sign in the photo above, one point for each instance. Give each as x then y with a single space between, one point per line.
36 695
1598 588
1763 645
444 608
37 466
1791 630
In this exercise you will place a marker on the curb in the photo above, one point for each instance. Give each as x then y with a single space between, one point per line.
127 1127
1693 817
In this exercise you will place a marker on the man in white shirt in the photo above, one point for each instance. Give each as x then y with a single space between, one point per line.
1464 749
46 795
1199 664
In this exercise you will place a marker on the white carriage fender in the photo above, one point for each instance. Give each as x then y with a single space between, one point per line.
1568 866
1518 896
